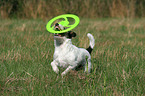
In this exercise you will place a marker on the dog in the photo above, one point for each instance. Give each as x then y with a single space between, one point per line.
69 56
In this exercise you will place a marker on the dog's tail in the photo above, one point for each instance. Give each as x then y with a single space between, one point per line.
92 43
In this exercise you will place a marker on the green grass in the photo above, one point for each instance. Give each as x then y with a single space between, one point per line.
118 58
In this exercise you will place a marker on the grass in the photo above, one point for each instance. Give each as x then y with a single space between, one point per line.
26 51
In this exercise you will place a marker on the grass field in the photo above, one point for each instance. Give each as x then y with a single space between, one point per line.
118 58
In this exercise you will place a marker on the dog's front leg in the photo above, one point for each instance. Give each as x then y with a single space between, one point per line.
54 66
67 70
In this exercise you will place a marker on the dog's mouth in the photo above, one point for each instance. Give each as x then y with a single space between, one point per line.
57 28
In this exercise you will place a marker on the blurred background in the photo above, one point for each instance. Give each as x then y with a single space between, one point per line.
83 8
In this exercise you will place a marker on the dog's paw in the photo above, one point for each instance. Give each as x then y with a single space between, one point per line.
56 70
54 67
62 74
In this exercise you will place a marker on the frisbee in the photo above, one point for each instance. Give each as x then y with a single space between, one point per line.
64 23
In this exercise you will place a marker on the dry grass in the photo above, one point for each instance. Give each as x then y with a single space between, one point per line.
88 8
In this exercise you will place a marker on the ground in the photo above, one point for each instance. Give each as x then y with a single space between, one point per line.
26 50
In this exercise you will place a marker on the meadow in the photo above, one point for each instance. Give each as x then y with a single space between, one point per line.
118 58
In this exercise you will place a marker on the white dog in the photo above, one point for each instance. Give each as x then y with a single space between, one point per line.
69 56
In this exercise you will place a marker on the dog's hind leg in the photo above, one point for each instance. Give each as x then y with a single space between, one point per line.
54 66
88 64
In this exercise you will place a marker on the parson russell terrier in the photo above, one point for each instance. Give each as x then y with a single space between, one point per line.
69 56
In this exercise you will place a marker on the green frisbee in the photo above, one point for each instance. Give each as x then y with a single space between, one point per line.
64 23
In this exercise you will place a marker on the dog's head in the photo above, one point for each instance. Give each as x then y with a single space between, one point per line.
69 34
60 38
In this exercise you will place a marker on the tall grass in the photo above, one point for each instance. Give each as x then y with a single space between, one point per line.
26 51
83 8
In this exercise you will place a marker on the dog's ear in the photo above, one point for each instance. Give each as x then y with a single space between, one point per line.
71 34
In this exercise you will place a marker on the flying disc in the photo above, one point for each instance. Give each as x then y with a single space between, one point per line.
64 23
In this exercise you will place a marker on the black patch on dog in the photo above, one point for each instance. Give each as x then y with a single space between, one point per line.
89 49
70 34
